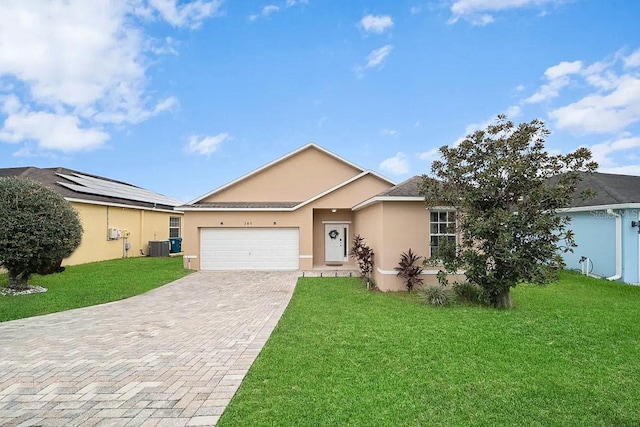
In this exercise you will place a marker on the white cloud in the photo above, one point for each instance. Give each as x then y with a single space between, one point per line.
396 165
632 60
290 3
479 12
377 24
205 145
185 14
82 65
376 57
563 69
389 132
62 132
602 152
415 10
558 78
429 155
602 113
274 8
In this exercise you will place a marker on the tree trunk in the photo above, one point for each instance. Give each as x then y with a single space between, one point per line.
502 299
19 282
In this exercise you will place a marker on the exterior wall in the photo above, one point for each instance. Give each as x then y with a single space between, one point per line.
391 228
194 221
142 225
321 215
295 179
595 235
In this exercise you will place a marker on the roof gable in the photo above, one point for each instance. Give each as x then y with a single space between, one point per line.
297 176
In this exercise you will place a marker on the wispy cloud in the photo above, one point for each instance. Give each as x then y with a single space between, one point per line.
481 12
376 24
396 165
205 145
390 132
377 57
80 67
270 9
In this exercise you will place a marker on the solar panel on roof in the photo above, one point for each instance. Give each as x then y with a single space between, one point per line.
101 187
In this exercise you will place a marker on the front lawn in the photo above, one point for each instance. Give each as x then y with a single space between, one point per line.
568 354
91 284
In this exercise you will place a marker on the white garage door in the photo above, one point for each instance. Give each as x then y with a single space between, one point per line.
249 249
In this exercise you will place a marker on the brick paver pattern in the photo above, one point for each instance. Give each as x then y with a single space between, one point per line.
174 356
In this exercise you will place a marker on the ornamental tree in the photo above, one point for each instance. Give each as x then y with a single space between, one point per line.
506 189
38 228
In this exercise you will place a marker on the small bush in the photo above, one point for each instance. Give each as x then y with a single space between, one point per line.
468 292
409 270
435 295
363 255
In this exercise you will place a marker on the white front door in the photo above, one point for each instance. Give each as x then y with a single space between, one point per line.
335 242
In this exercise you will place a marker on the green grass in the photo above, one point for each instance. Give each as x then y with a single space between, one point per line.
567 355
91 284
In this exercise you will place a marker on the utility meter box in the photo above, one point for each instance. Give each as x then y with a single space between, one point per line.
114 234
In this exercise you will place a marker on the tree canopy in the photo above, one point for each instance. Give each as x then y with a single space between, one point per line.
506 190
38 228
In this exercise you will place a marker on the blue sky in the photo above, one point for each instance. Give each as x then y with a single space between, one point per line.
180 97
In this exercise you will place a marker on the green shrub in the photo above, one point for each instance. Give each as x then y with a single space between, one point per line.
468 292
435 295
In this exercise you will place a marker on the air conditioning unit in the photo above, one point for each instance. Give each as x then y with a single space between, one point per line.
114 234
159 248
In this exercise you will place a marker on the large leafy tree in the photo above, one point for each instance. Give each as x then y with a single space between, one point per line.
506 189
38 228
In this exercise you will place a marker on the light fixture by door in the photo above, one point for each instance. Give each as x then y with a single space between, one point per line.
334 210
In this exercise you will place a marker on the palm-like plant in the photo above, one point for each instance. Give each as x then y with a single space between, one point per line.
410 269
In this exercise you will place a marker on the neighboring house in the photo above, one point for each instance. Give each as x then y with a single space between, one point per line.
118 219
301 212
606 228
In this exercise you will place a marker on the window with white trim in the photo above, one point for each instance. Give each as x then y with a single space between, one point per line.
442 229
174 226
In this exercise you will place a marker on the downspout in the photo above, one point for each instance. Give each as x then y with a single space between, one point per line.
618 217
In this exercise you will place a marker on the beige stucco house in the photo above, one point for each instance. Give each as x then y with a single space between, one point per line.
118 219
301 212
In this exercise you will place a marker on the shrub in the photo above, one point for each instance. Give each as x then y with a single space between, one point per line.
363 255
435 295
39 229
470 293
409 270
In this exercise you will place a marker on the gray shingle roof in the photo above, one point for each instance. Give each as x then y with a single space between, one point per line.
408 188
610 189
50 177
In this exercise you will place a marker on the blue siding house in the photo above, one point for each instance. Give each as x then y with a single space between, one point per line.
607 228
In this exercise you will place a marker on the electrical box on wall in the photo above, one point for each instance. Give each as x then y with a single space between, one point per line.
114 234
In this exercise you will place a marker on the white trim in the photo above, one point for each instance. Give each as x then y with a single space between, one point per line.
600 207
424 272
618 274
377 199
191 208
120 205
306 256
336 222
280 159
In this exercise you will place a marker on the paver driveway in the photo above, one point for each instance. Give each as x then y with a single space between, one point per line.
171 357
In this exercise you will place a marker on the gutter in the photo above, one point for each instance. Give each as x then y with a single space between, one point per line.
618 217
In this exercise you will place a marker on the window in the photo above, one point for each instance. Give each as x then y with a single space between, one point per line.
442 229
174 226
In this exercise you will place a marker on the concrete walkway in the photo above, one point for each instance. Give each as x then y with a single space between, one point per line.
174 356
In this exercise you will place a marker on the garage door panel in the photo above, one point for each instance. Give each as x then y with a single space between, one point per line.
249 249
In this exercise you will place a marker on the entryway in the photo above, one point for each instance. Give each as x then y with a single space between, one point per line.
336 243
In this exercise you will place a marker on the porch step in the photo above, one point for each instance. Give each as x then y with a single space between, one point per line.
330 273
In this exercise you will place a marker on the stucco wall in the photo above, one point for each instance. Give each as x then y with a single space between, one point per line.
390 228
294 179
143 225
595 235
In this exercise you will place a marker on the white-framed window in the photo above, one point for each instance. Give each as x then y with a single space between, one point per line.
174 226
442 229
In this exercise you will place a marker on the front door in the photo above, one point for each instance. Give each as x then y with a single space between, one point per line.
335 242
